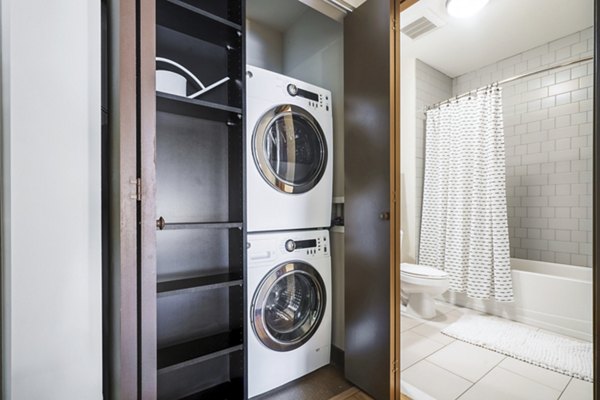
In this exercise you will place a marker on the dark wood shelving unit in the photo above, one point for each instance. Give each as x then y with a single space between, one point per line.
162 225
199 215
193 21
187 7
187 285
199 350
207 110
223 391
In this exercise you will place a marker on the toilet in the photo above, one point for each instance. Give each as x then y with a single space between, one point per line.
421 285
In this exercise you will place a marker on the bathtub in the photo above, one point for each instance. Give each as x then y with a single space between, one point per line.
551 296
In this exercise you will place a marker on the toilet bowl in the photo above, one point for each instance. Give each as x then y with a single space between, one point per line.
421 284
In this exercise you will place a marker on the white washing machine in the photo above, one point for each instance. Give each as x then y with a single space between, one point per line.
289 300
289 153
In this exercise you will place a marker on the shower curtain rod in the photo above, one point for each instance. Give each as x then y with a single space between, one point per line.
514 78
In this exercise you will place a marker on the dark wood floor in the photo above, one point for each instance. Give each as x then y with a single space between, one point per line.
327 383
352 394
323 384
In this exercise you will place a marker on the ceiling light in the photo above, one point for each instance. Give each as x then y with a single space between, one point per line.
464 8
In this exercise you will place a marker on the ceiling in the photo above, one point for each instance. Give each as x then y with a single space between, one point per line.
502 29
279 18
281 14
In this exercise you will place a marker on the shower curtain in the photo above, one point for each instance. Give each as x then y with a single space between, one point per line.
464 228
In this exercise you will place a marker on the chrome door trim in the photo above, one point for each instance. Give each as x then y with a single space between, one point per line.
264 167
257 308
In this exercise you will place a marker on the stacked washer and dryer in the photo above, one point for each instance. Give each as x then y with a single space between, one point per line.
289 164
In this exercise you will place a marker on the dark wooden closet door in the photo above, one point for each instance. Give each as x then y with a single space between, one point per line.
369 152
121 288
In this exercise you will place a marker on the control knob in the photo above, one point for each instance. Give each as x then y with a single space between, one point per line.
292 89
290 245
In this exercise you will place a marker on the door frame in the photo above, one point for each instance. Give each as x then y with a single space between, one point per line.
596 204
395 256
396 7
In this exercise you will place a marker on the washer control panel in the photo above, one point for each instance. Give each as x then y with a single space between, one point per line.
268 248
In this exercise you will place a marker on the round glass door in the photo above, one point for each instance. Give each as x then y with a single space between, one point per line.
290 149
288 306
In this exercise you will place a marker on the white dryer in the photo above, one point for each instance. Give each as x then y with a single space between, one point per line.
289 307
289 153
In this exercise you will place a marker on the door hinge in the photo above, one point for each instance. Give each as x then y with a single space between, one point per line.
393 24
395 366
138 189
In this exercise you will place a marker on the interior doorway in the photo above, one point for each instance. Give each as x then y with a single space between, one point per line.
547 122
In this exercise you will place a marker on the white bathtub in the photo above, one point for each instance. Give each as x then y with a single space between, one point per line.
551 296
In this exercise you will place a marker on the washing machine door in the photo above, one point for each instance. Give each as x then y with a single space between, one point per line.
290 149
288 306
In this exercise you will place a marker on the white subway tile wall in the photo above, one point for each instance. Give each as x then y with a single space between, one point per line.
432 86
548 129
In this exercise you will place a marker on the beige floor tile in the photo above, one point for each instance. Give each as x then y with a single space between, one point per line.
578 390
540 375
407 322
501 384
467 311
444 307
415 348
466 360
435 381
432 331
443 320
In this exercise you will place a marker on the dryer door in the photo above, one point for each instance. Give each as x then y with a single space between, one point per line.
289 149
288 306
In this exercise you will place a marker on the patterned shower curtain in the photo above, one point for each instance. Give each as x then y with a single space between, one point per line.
464 228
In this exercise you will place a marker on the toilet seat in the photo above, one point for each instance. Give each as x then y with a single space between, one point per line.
422 271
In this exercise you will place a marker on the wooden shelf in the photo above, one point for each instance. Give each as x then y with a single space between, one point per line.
200 145
174 104
193 21
224 391
200 350
195 284
162 225
203 13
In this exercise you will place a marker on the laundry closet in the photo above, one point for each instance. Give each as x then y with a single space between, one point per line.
232 171
294 82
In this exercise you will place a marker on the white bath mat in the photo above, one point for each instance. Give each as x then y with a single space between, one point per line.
538 347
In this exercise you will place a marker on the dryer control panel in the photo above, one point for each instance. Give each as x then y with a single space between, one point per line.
315 100
309 247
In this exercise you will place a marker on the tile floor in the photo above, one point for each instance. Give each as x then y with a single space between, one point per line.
449 369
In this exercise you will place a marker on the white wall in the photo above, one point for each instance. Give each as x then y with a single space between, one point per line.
51 199
548 129
264 47
313 51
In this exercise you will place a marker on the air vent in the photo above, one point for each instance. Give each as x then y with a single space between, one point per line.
418 28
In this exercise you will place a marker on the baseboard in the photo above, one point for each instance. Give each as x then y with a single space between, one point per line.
337 358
